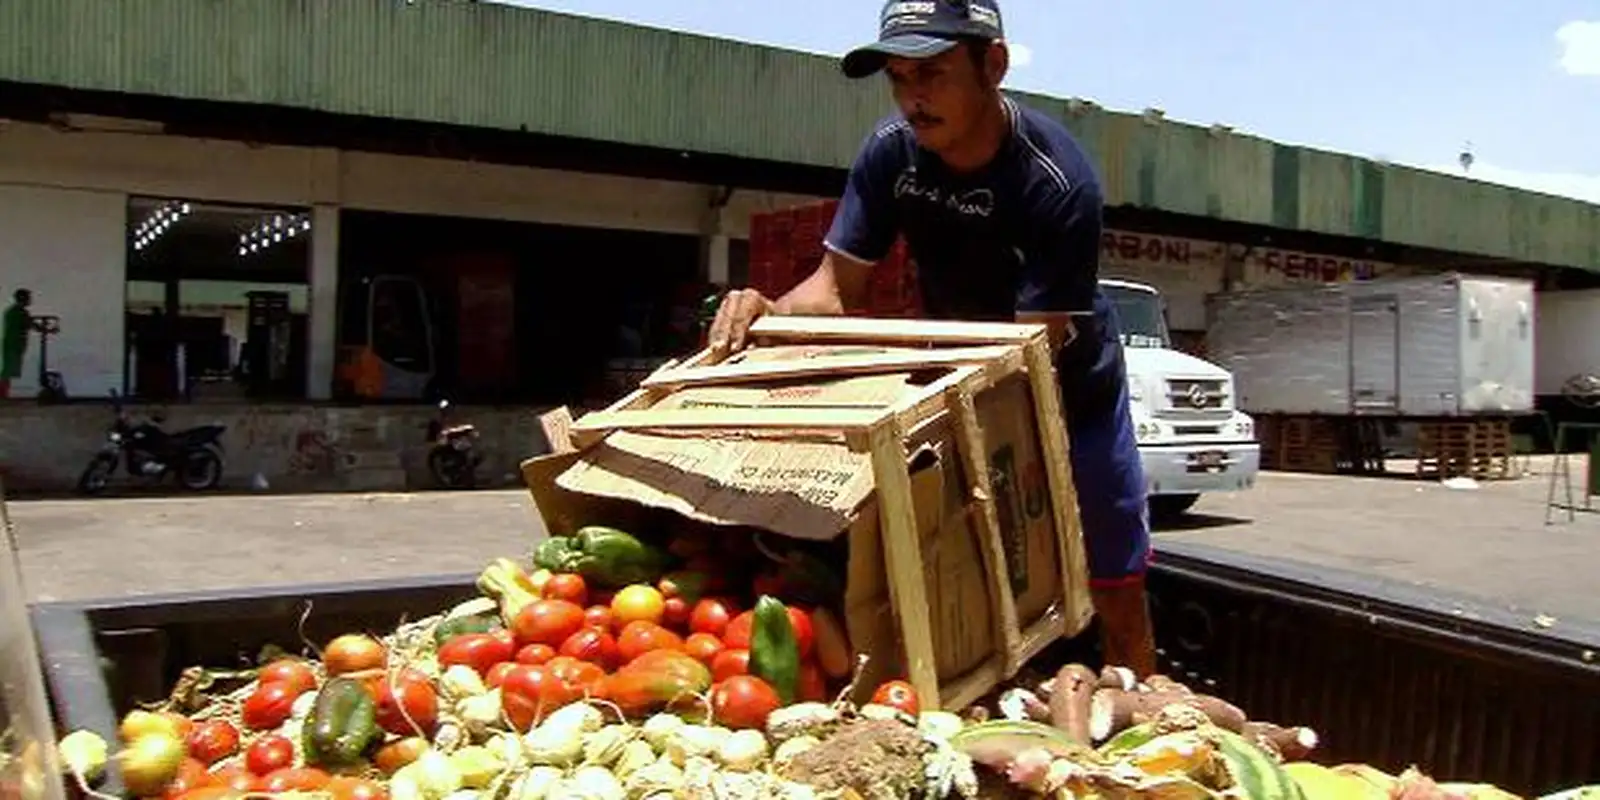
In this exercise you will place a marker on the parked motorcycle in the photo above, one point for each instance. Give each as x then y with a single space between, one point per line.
454 458
193 456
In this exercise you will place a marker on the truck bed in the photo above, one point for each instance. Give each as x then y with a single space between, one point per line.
1387 675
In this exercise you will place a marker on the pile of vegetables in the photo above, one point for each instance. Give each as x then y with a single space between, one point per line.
610 668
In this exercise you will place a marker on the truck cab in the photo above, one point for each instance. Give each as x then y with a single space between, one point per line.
1192 439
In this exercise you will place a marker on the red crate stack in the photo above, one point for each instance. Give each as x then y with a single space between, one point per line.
786 246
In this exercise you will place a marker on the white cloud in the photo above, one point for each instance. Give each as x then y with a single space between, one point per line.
1576 185
1580 47
1021 54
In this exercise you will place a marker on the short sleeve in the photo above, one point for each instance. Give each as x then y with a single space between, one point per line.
1062 266
863 227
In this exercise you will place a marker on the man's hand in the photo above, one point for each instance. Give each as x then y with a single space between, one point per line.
739 310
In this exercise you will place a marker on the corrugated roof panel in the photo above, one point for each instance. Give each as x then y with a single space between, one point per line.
499 66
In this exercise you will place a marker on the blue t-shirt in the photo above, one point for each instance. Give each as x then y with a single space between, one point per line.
1021 234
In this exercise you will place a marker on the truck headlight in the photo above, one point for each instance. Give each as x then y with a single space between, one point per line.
1147 430
1245 428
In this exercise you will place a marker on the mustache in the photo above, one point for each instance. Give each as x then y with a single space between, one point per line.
919 117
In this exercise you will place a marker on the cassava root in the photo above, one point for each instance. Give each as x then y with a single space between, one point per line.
1292 744
1070 703
1112 711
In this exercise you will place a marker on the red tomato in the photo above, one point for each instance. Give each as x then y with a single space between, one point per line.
675 613
191 775
535 654
481 651
744 701
548 622
813 687
238 779
567 586
412 691
213 741
599 617
594 646
529 694
804 634
702 646
301 779
291 671
730 662
497 673
898 694
640 637
347 788
711 615
580 675
353 652
268 706
737 634
268 754
211 791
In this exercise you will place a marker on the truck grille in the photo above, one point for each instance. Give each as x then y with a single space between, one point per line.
1184 394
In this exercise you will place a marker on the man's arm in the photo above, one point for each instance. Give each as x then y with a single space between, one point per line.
863 229
1063 264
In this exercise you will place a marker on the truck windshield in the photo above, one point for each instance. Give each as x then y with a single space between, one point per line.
1139 310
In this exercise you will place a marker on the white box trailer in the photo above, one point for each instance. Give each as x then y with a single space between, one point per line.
1568 360
1424 346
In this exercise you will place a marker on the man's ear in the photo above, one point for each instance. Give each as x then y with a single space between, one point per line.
996 61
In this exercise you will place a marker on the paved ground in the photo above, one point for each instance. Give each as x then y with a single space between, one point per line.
1489 541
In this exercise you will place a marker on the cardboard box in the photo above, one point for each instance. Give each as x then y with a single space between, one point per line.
945 465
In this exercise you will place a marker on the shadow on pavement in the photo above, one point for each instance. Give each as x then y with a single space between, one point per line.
1196 522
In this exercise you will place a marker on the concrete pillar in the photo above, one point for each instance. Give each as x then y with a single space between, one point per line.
321 339
715 248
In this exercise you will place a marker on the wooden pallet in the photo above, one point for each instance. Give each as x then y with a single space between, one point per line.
1481 449
1320 444
975 590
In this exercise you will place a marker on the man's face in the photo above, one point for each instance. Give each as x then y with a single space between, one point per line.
943 97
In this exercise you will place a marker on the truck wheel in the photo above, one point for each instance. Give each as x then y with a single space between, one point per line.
1167 507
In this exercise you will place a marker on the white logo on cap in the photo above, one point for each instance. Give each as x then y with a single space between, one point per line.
987 16
908 8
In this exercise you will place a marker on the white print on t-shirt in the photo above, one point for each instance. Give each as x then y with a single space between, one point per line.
972 203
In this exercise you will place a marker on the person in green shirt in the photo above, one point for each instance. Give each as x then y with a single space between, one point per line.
14 339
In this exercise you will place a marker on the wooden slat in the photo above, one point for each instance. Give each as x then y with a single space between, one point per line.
861 330
1064 496
986 524
829 366
902 556
796 419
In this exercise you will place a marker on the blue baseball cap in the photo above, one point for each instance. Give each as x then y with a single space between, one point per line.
923 29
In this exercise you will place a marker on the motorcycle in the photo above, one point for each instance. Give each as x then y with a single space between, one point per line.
453 459
193 455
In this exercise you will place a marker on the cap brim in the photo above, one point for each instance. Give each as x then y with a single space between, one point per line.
868 60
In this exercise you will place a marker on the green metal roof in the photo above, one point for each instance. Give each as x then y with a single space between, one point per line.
504 67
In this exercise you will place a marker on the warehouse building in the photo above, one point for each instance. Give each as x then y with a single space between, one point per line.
288 215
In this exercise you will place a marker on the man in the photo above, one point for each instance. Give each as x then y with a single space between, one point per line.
1002 211
14 328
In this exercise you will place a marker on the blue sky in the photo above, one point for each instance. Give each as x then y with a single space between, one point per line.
1412 81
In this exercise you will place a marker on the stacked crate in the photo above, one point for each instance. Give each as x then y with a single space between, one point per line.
786 246
1478 448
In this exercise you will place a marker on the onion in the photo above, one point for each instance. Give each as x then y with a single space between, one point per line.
149 763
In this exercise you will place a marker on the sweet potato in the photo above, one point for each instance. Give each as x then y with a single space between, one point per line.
1112 711
1162 683
1069 702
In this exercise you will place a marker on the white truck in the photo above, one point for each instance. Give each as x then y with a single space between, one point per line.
1192 438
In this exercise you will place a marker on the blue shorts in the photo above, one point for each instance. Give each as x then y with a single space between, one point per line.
1106 470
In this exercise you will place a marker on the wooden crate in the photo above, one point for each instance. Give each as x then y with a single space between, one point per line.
1477 448
938 448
